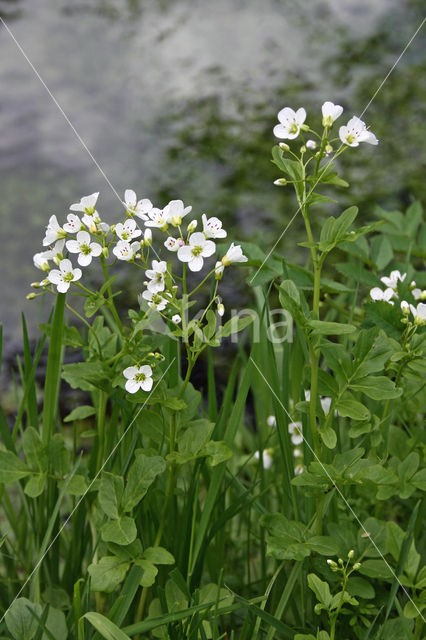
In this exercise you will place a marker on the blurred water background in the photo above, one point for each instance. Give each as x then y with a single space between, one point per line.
178 98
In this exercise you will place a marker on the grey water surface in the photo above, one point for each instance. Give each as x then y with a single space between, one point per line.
177 99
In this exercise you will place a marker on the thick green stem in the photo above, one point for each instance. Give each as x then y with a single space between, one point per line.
336 615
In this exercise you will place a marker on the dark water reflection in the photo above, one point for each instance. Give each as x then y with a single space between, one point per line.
178 99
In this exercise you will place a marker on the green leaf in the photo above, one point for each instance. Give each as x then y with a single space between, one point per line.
350 408
11 468
58 455
328 436
107 574
121 531
419 480
142 474
381 251
359 587
35 452
151 424
158 555
106 628
376 568
376 387
110 494
195 436
320 589
56 624
217 452
92 305
149 572
87 375
35 485
77 486
234 325
324 545
80 413
320 327
19 621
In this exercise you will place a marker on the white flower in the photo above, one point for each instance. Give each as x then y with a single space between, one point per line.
218 270
41 260
295 429
386 295
63 276
87 204
405 307
53 232
311 144
156 275
176 319
266 458
198 249
291 121
147 237
138 378
157 218
123 250
271 421
297 453
155 301
175 211
128 230
392 281
212 227
173 244
74 223
419 313
298 469
325 404
138 208
86 249
330 113
234 254
416 293
355 132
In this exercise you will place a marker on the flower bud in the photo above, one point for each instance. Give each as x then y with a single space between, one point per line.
303 149
36 285
281 182
176 319
192 226
405 308
340 561
357 566
328 149
218 273
351 554
284 146
105 252
220 309
147 237
311 144
31 296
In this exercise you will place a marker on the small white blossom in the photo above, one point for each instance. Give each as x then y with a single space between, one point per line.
175 211
405 307
147 237
192 226
41 260
212 227
290 123
173 244
295 430
218 270
53 232
355 132
74 223
416 293
123 250
63 276
176 319
393 279
138 378
157 218
86 249
386 295
311 144
419 313
330 113
138 208
234 254
155 300
195 252
87 204
297 453
128 230
156 275
298 469
271 421
57 251
267 458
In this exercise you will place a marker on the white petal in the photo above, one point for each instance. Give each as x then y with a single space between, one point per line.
65 266
73 246
132 386
197 239
130 372
96 249
84 260
196 264
55 276
83 237
280 131
300 116
184 254
208 249
63 287
77 274
146 384
286 115
146 369
130 197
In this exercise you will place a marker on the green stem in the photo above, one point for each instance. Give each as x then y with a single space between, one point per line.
110 296
336 615
101 428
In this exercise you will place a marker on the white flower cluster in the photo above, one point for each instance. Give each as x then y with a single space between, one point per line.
390 294
292 122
